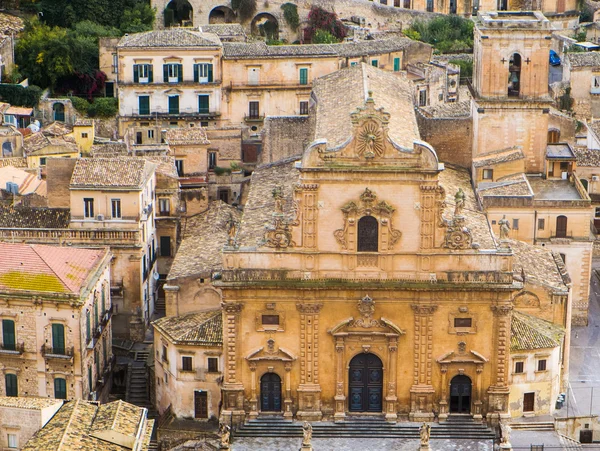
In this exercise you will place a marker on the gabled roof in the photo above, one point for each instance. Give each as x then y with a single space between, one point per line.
51 269
584 59
529 332
539 266
172 37
123 172
182 136
204 328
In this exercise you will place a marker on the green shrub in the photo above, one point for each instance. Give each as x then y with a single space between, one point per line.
103 107
290 14
448 34
80 104
323 37
222 171
18 95
466 68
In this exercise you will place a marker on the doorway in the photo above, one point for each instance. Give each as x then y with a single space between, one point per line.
366 383
561 226
270 393
460 394
528 402
200 404
58 110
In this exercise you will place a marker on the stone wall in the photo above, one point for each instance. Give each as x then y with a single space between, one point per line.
283 137
450 137
58 177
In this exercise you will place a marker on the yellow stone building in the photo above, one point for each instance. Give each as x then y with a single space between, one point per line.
364 278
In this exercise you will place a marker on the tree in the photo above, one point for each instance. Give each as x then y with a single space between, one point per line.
323 37
319 19
448 34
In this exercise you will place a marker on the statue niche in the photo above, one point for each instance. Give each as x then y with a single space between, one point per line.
367 225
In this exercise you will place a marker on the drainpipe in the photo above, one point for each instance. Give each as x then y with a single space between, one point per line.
535 219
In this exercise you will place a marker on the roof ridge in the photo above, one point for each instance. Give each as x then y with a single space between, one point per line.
116 414
67 286
64 434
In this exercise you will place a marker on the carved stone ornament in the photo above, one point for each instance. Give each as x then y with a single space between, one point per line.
366 307
279 234
367 205
526 299
458 236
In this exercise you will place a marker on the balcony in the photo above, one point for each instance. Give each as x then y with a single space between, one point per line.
106 317
50 352
12 350
71 236
254 117
267 84
158 112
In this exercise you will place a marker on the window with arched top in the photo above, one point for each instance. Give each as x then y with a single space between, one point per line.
514 75
561 226
368 234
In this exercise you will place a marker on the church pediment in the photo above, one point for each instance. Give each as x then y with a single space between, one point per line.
462 356
271 352
366 323
370 145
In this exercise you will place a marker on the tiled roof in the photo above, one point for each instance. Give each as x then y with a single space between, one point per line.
516 185
182 136
560 151
371 47
56 129
19 111
204 235
193 328
165 164
109 150
74 427
391 91
444 110
499 156
124 172
27 402
539 266
36 144
173 37
584 59
34 218
83 123
528 332
52 269
594 127
10 24
223 29
15 162
587 157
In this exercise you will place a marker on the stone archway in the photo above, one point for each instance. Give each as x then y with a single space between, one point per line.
460 394
221 14
265 24
179 13
270 393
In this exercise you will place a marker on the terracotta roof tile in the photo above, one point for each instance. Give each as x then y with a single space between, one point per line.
584 59
529 332
34 218
27 402
109 150
196 135
539 265
173 37
131 172
499 156
194 328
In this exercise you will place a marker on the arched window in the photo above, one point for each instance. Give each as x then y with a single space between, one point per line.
12 388
561 226
59 112
368 234
514 75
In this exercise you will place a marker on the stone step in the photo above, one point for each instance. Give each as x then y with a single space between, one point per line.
533 426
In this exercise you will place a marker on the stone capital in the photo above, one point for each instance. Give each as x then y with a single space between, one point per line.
501 310
232 307
309 308
424 309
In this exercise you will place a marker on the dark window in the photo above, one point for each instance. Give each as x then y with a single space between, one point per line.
213 365
173 104
561 227
88 325
60 388
12 388
90 378
200 404
270 320
144 105
553 136
542 365
84 135
463 322
368 234
374 63
515 224
563 257
203 104
423 97
212 160
514 75
186 363
488 174
528 402
164 354
139 139
253 110
541 224
8 334
58 339
430 6
223 195
179 167
115 208
43 161
304 107
88 207
165 246
518 367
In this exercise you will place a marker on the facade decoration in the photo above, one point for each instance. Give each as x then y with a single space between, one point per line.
526 299
367 205
279 234
458 235
504 228
366 307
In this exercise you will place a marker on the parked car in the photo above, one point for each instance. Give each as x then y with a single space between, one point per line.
554 58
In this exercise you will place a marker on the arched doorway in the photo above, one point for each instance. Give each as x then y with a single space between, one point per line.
221 14
561 226
368 234
265 24
514 75
179 12
366 383
270 393
58 110
460 394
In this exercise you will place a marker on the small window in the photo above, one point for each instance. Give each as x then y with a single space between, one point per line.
253 110
488 174
172 73
541 223
515 224
213 365
303 107
463 322
270 320
43 161
84 135
423 97
353 63
115 208
12 441
12 388
151 134
374 63
186 363
396 64
179 167
60 388
212 160
165 246
164 354
518 367
8 335
541 365
203 73
564 258
164 206
303 75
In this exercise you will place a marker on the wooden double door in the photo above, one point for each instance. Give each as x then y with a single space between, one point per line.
366 383
270 393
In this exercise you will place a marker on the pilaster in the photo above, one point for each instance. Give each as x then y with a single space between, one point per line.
309 390
498 392
340 398
233 389
309 215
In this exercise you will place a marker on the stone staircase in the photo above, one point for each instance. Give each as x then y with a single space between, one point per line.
160 307
137 386
533 426
359 427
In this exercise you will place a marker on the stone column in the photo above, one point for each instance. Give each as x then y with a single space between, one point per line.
428 216
477 403
287 402
444 395
309 390
391 412
340 398
233 389
253 397
499 390
421 393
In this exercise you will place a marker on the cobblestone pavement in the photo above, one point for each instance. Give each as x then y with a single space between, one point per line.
356 444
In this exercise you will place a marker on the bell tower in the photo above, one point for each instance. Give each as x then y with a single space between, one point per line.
510 85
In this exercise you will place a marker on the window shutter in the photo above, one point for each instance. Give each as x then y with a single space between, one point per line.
11 385
136 73
8 334
210 73
180 73
58 337
396 64
196 74
150 73
166 73
303 76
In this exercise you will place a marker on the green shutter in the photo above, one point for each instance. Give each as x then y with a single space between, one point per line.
150 73
90 379
136 73
12 388
173 104
203 104
8 334
374 63
196 73
58 339
60 388
396 64
88 327
180 73
166 73
144 104
96 322
210 73
103 301
304 76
